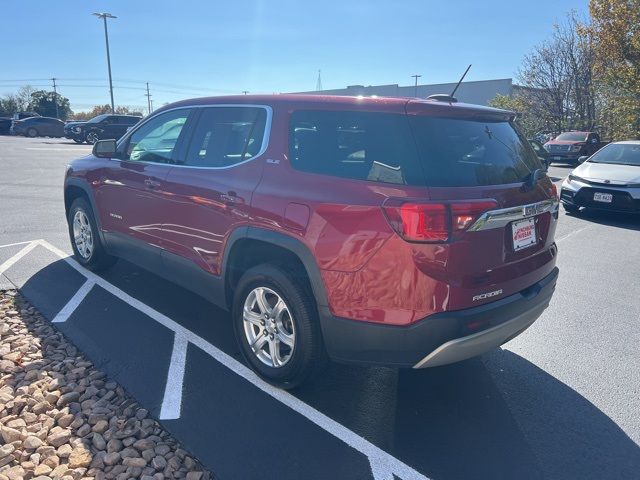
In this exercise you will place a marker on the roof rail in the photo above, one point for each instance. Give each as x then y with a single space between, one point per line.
442 97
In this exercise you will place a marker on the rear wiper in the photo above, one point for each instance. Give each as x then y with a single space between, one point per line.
532 179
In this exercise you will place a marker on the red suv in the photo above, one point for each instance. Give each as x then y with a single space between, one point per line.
409 233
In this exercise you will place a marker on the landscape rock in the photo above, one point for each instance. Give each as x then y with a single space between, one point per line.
62 419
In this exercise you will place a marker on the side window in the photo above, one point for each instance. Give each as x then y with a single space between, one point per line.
371 146
226 136
155 140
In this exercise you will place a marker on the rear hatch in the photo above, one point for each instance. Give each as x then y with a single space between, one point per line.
475 161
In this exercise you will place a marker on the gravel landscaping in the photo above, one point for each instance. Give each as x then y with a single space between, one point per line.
61 418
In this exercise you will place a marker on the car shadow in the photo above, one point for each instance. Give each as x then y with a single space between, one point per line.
496 417
499 416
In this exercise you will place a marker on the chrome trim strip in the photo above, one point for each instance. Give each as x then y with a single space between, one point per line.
263 148
501 217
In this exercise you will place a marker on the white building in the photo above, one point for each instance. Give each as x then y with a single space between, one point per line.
479 92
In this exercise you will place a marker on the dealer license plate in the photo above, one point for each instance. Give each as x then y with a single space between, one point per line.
524 233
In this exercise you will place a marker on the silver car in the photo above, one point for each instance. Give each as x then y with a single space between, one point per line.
608 180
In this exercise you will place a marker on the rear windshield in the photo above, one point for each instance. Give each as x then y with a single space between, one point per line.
98 119
572 137
463 153
376 147
416 150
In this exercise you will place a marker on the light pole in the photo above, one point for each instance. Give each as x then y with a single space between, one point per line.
55 96
104 17
415 88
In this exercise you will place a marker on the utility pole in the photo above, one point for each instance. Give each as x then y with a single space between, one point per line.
148 95
55 96
319 82
104 17
415 88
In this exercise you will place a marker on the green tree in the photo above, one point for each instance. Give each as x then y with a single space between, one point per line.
615 29
8 105
44 103
16 102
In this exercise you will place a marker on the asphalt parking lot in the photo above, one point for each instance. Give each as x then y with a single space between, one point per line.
560 401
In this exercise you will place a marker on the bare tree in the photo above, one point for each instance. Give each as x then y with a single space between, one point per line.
556 78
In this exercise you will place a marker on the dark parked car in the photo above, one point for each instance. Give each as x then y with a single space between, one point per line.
570 146
69 133
101 127
38 127
411 233
5 125
540 151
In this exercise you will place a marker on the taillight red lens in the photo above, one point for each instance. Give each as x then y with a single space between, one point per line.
424 222
433 222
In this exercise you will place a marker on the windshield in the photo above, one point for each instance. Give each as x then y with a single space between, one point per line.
462 153
572 137
619 154
97 119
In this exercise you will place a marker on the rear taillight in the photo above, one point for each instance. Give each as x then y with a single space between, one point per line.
553 190
433 222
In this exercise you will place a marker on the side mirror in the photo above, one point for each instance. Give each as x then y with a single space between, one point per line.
582 158
105 148
544 163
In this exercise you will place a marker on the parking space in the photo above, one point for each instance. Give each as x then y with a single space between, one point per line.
560 401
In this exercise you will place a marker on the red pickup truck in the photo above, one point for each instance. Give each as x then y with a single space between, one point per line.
570 146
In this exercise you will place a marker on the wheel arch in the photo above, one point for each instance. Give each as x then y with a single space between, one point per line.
76 188
251 246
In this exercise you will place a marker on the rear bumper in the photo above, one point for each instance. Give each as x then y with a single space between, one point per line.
441 338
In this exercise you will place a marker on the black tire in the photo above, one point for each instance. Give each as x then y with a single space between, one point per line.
98 259
308 356
78 140
91 138
571 208
32 132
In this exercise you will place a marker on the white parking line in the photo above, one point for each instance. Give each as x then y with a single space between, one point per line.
383 465
14 244
64 314
17 256
172 401
558 240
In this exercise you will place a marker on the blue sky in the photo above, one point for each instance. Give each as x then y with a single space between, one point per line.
193 48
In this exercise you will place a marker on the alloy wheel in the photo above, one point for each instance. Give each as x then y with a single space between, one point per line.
82 234
268 327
